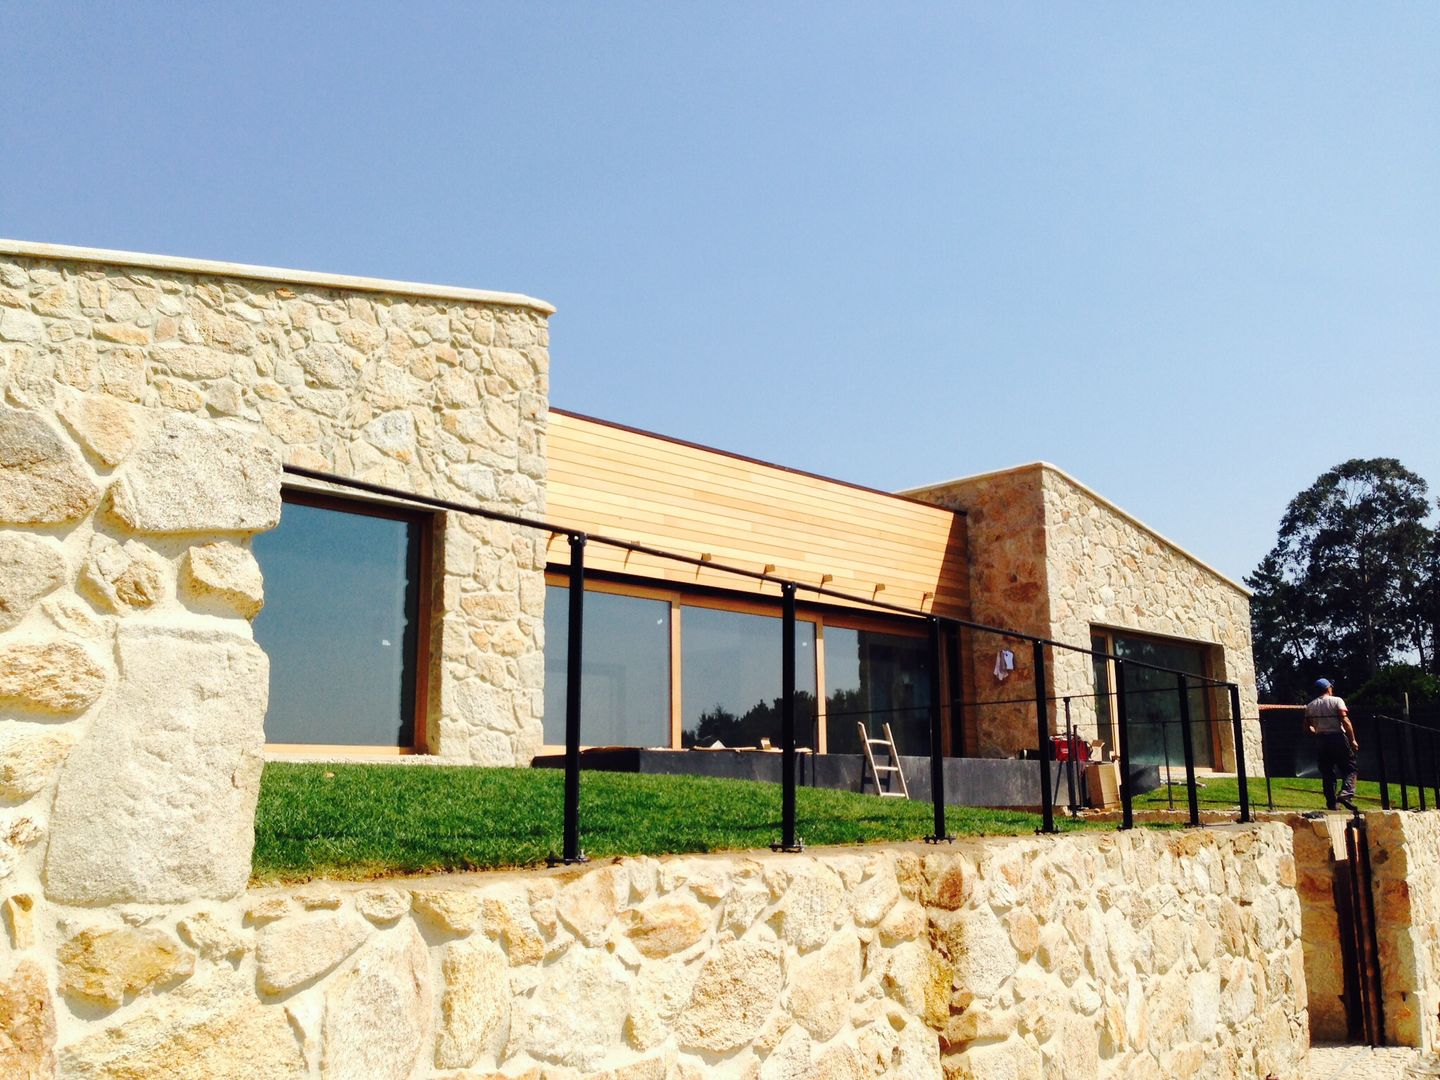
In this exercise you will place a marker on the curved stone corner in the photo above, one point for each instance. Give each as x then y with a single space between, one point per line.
157 803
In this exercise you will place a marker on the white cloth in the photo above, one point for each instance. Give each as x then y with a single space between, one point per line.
1004 664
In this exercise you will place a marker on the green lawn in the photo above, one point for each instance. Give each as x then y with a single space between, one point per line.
1223 793
363 821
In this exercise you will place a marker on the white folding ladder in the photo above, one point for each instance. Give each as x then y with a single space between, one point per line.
875 770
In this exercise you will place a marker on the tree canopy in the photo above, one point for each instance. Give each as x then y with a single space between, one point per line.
1352 584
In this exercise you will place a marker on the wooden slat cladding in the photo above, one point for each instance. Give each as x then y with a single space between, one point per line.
688 499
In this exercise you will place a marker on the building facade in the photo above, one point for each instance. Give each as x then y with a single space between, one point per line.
150 404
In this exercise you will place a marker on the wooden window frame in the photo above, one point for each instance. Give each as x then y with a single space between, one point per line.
426 524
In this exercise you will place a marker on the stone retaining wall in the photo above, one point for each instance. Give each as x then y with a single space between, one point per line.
1053 558
1100 955
1405 880
1321 871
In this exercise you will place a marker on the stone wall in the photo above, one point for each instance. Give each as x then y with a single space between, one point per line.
1405 883
1052 558
1009 587
1106 570
1086 956
439 391
1322 868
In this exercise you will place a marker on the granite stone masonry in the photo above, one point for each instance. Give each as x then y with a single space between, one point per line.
1052 558
1091 955
1405 869
147 406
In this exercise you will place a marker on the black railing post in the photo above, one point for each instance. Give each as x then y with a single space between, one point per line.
1042 725
788 840
1187 743
572 852
1239 725
1070 759
937 725
1404 772
1415 741
1377 731
1122 714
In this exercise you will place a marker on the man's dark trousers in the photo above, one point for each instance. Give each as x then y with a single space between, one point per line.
1337 761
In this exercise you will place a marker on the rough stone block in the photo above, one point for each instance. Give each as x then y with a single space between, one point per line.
29 568
28 761
475 1008
42 480
195 475
227 573
157 803
106 428
27 1024
734 993
123 578
51 676
216 1029
294 951
106 965
377 1010
579 1010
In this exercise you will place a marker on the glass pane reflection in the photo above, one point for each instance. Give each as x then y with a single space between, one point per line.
1154 702
339 625
731 684
625 666
875 679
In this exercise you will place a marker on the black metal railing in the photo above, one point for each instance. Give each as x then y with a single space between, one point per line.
944 632
1394 751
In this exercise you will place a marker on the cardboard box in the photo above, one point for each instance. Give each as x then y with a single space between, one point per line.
1102 784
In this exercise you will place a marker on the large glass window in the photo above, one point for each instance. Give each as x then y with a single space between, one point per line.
1103 704
731 678
1153 701
340 624
875 679
625 664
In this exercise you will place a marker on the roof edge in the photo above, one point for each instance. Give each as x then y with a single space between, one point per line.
1045 466
215 268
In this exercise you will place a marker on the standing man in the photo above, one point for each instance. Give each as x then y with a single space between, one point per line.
1328 720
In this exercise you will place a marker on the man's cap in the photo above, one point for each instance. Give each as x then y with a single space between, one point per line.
1321 685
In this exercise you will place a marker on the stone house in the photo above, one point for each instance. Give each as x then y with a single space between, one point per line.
150 405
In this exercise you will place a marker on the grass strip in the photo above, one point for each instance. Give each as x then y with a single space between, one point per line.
1288 793
358 821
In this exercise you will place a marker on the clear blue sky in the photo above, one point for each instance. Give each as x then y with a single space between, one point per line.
1189 253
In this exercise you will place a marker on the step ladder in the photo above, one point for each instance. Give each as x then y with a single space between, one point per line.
888 791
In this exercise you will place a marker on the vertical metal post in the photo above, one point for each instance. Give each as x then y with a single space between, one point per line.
1377 732
1187 743
1239 726
572 852
1122 713
937 757
1404 772
1419 769
788 840
1042 725
1070 757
